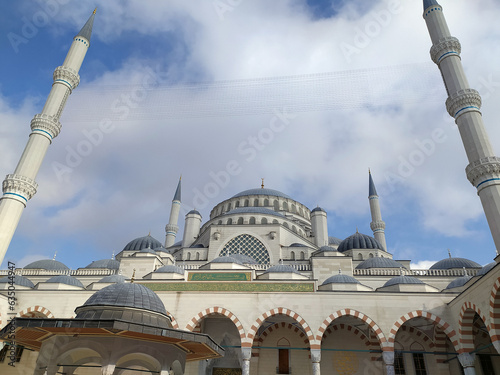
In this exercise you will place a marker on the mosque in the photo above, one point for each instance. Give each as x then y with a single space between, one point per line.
259 287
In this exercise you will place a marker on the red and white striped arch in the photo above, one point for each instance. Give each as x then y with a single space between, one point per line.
216 311
34 311
495 312
465 325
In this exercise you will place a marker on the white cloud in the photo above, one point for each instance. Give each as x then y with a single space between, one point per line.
422 265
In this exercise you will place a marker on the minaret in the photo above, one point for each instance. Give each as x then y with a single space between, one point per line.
463 104
172 228
319 226
20 186
191 228
377 225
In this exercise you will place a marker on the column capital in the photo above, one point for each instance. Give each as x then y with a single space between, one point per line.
315 355
246 353
463 101
19 188
445 47
388 357
467 359
46 125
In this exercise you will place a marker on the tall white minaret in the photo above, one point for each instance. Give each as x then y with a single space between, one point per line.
172 228
463 104
377 225
20 186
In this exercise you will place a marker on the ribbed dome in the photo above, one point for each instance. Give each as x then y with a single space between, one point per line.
270 192
142 243
341 279
486 269
459 281
148 250
226 259
113 279
65 279
160 248
127 295
170 269
359 241
450 263
282 268
18 280
334 241
253 210
379 262
110 264
403 280
47 264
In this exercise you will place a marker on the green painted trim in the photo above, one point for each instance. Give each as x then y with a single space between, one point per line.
219 276
230 287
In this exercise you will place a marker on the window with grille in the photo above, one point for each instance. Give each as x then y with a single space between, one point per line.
419 362
399 364
247 245
486 364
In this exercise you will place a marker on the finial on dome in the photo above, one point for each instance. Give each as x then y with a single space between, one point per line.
262 186
465 271
133 277
94 10
113 255
357 231
149 234
449 253
54 258
340 271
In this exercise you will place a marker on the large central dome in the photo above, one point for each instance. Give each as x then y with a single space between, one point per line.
261 191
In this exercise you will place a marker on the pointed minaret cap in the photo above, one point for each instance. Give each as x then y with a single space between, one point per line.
430 3
371 185
86 30
177 196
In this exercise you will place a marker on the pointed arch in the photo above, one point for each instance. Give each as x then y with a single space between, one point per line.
349 312
441 323
280 326
216 311
31 312
279 311
346 327
173 321
466 322
495 312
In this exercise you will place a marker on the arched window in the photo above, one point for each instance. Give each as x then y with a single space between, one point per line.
292 255
294 209
275 221
229 206
219 222
294 229
301 211
252 220
240 221
371 255
286 225
285 206
266 202
263 221
256 202
229 221
276 205
302 255
247 203
237 204
197 256
360 256
188 256
283 356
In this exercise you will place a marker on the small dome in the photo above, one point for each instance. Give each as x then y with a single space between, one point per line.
403 280
486 269
113 279
142 243
450 263
378 262
245 259
226 259
459 281
170 269
18 280
110 264
359 241
198 246
282 268
254 210
269 192
127 295
318 209
327 248
47 264
334 241
298 245
340 279
193 212
65 279
160 248
148 250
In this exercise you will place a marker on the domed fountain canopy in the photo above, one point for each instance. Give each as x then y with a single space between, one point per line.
459 282
340 279
170 268
142 243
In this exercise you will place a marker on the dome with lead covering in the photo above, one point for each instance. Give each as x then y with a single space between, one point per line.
459 282
261 191
226 259
334 241
341 279
18 281
452 263
403 279
282 268
253 210
113 279
142 243
359 241
298 245
378 262
245 259
327 248
110 264
47 264
170 268
486 269
65 279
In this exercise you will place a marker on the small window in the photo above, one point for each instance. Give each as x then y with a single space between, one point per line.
486 364
252 221
302 255
188 256
419 362
256 203
266 202
276 205
399 364
292 255
229 221
237 204
247 203
263 221
240 221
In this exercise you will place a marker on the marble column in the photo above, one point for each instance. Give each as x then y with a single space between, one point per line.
246 354
388 358
316 361
467 361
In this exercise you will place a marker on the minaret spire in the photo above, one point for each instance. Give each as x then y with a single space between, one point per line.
172 227
464 105
20 186
377 225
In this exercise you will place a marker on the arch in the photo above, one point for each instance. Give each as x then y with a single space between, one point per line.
197 256
173 321
229 206
280 326
420 336
256 202
266 202
276 205
188 256
301 211
263 220
466 322
292 255
285 206
216 311
279 311
219 222
294 209
349 312
240 221
251 221
285 224
32 312
441 323
294 229
229 221
495 312
247 203
302 255
275 221
346 327
237 204
360 256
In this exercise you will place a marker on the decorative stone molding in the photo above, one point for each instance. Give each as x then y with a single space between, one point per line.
467 359
67 77
19 187
272 235
377 226
171 228
46 125
444 48
482 170
217 236
388 357
463 101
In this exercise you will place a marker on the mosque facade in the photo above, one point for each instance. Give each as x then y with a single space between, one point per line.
260 286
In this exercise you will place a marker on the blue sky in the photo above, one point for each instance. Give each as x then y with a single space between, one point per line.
215 69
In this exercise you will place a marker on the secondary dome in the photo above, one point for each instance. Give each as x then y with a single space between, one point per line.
378 262
253 210
486 269
359 241
245 259
113 279
110 264
65 279
327 248
170 269
127 295
403 280
340 279
142 243
459 281
334 241
47 264
282 268
450 263
18 280
270 192
226 259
